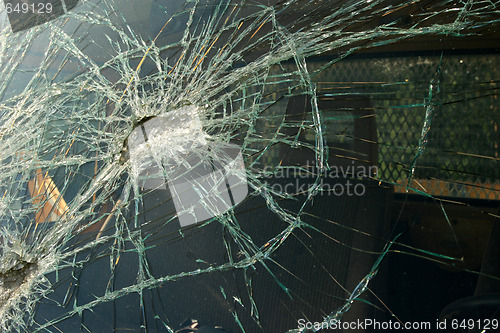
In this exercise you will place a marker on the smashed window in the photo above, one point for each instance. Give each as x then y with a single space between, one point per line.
272 166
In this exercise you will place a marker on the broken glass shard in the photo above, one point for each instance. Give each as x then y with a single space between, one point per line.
205 178
122 120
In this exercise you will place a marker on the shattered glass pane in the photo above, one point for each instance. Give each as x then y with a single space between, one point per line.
249 166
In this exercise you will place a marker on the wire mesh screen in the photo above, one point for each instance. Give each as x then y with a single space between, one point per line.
462 144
